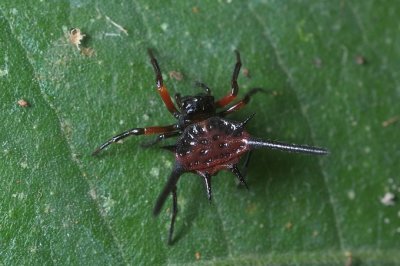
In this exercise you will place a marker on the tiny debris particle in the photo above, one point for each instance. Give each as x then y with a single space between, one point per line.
33 249
176 75
388 199
24 165
19 195
288 225
246 72
164 26
145 117
93 194
23 103
75 37
360 60
197 255
108 203
349 258
386 221
87 51
3 72
351 194
47 208
119 27
317 62
195 9
251 208
390 121
154 171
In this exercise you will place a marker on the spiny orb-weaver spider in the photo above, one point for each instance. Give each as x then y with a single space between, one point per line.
207 142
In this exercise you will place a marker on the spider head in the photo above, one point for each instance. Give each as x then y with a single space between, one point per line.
197 107
193 106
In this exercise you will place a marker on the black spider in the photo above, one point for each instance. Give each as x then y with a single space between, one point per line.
207 142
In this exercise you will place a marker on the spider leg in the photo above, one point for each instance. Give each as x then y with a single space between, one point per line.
136 132
245 167
234 85
236 171
246 163
171 148
174 214
162 90
170 187
160 138
203 86
241 103
207 182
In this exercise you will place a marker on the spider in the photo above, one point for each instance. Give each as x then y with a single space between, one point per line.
207 142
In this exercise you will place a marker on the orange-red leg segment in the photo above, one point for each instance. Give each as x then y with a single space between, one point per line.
241 103
162 90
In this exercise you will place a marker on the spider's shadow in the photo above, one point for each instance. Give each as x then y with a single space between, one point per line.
191 211
277 167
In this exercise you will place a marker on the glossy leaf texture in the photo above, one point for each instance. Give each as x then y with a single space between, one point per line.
331 69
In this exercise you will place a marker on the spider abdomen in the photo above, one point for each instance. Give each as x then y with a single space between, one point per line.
211 145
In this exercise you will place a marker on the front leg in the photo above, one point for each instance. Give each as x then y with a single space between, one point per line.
234 85
174 213
136 132
160 138
242 102
162 90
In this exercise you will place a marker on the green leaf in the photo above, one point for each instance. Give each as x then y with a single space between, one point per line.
332 67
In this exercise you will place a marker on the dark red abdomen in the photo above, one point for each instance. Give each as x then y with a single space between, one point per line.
211 145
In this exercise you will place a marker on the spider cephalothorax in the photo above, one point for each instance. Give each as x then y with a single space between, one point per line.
207 142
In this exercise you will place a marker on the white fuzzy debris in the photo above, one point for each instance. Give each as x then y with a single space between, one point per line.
108 203
164 26
351 194
145 117
75 37
3 72
155 171
388 199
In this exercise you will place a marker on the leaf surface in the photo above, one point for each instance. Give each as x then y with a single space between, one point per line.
332 70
